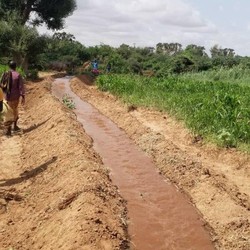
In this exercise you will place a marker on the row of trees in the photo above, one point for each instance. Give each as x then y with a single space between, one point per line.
61 51
20 40
168 58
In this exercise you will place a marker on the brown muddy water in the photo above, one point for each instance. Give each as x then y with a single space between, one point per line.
160 217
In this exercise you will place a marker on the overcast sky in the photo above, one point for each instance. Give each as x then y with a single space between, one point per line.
147 22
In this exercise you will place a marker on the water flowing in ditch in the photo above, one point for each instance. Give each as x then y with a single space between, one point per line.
160 217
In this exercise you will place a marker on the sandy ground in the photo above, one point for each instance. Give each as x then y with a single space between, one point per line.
216 180
55 192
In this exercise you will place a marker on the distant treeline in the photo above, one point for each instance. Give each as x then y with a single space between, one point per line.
62 51
20 40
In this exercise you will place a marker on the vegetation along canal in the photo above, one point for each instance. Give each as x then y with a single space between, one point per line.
160 217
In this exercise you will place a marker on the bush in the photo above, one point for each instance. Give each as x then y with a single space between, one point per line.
32 75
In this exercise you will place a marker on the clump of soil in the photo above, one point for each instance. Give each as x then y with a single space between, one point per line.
54 190
216 180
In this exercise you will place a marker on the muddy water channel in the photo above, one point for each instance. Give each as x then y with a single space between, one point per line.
160 217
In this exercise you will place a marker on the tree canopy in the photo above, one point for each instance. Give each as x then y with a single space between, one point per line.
19 39
51 13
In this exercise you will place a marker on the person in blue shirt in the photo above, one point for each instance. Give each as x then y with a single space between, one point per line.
95 67
95 64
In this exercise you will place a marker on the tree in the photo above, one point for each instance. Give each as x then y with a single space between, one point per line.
125 51
195 50
18 39
223 57
198 56
63 52
104 51
64 36
217 51
181 64
20 42
49 12
168 48
159 48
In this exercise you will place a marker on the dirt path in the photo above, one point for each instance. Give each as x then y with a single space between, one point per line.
216 180
55 192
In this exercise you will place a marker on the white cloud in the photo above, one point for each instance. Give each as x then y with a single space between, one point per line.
144 22
221 8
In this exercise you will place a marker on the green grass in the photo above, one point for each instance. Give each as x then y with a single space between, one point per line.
237 75
68 102
219 110
4 68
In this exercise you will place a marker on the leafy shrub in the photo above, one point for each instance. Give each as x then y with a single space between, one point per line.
32 75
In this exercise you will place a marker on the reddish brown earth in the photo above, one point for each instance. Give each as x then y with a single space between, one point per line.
216 180
55 192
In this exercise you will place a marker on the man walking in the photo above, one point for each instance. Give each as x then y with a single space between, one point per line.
13 86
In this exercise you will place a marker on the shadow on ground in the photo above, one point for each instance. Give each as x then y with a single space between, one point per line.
35 126
28 174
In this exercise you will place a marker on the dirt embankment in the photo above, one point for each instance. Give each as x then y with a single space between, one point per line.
54 191
216 180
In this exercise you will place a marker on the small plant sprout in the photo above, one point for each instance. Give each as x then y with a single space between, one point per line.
68 102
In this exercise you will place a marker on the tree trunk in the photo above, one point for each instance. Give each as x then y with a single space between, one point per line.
21 61
25 64
26 12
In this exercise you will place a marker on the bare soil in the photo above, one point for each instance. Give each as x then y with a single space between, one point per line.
55 192
216 180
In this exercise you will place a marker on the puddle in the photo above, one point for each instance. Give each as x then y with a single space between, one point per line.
160 217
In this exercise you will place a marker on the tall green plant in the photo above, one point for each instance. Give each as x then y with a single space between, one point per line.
217 110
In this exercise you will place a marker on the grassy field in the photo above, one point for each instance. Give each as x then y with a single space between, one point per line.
215 107
235 75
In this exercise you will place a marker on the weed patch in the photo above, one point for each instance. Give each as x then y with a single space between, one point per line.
68 102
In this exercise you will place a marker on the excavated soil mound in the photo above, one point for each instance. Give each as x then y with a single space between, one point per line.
216 180
55 192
